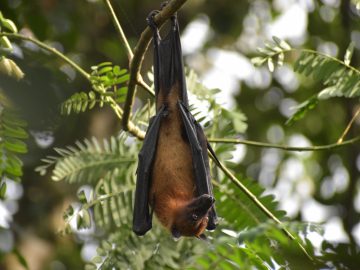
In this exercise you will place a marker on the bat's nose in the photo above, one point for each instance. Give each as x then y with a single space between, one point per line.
207 199
202 204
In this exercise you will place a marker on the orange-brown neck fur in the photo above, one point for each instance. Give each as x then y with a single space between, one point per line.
173 185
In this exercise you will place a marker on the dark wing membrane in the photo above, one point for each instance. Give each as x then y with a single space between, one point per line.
204 146
142 220
198 145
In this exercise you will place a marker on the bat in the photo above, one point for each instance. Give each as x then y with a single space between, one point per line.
173 174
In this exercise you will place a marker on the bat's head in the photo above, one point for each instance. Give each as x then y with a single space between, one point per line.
192 219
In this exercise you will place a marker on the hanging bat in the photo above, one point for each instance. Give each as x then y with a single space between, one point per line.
173 174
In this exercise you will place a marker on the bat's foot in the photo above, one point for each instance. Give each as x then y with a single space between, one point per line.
150 19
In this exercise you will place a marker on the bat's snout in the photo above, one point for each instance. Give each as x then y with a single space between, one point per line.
202 204
206 199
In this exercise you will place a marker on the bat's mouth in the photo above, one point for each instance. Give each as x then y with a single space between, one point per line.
202 204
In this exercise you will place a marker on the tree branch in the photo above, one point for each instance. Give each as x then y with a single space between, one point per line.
134 130
144 85
138 58
284 147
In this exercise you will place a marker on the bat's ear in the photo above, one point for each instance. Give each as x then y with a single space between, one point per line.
202 237
175 232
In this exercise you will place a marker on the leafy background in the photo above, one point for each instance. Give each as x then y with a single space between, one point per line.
90 182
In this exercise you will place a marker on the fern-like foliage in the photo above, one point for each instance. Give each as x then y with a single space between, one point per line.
12 136
116 197
12 127
88 161
217 121
109 202
110 207
342 78
238 211
339 78
273 54
110 169
107 83
262 247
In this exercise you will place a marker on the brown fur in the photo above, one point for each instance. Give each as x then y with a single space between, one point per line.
173 185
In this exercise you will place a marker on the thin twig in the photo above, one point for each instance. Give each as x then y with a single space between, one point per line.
139 52
145 86
340 140
119 29
284 147
49 49
140 81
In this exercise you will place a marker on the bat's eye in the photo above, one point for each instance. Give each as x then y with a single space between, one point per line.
194 217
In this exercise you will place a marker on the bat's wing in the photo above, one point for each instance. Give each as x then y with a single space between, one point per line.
142 219
200 159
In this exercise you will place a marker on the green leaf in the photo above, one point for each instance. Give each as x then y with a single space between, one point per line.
90 267
13 166
5 42
86 218
265 51
2 190
14 131
281 43
231 200
121 94
104 64
280 59
119 72
79 222
122 79
21 259
97 259
15 145
327 92
302 109
238 120
258 61
349 53
104 70
69 212
10 25
82 197
271 65
12 119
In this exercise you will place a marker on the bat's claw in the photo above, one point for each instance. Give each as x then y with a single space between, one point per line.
150 18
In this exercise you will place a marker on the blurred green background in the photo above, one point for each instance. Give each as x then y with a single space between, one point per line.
219 38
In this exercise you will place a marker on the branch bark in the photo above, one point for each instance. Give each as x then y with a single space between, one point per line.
285 147
137 60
